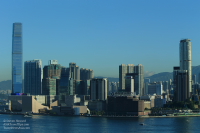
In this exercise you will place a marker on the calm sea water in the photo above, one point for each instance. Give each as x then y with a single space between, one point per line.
64 124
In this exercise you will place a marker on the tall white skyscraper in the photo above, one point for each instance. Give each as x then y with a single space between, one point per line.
186 60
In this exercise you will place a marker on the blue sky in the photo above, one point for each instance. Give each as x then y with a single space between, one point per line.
101 34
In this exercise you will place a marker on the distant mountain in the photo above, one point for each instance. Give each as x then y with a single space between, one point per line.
6 85
165 76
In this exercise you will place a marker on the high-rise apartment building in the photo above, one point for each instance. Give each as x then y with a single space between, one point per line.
74 71
99 88
123 70
186 61
86 74
33 77
139 80
17 57
138 74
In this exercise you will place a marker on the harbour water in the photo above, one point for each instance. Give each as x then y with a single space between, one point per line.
66 124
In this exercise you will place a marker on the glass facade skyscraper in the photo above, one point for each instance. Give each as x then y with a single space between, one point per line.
17 54
33 77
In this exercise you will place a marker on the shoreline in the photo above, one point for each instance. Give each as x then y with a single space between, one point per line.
104 116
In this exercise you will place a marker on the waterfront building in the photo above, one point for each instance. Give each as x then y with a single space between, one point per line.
33 77
99 88
125 105
186 62
181 92
17 58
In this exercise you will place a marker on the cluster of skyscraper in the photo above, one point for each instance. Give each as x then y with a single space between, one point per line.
55 79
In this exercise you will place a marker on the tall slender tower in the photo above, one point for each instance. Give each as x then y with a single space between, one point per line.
17 54
186 61
139 80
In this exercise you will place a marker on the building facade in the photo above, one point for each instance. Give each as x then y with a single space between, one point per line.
74 71
51 78
17 58
139 80
86 74
186 61
123 70
99 89
33 77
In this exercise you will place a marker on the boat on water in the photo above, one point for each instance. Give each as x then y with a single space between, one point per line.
142 124
27 115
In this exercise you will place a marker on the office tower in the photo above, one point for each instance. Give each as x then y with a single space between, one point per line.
139 80
33 77
186 61
181 82
64 81
86 74
74 71
17 57
51 76
123 70
129 84
99 88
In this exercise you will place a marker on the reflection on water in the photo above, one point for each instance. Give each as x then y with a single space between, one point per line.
103 125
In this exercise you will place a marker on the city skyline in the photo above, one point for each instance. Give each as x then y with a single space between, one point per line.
101 36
